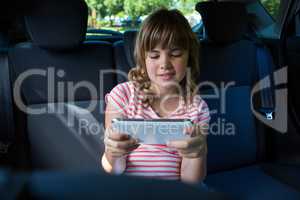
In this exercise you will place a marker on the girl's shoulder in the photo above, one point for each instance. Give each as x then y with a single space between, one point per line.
128 90
198 110
125 88
121 96
197 102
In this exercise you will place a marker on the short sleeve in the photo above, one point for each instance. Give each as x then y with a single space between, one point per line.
203 115
119 97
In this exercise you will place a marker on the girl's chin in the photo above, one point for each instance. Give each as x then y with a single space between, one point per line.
166 86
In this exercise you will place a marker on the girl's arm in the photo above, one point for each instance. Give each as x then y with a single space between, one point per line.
193 152
193 170
117 145
110 163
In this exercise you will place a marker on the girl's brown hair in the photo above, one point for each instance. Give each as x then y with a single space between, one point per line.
168 28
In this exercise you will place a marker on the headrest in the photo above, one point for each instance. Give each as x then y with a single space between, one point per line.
129 43
57 24
11 9
224 22
4 41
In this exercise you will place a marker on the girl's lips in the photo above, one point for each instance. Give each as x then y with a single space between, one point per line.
168 73
167 76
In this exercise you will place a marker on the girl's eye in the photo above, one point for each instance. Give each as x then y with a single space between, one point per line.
153 55
176 53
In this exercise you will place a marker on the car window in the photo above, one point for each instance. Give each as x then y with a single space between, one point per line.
272 6
121 15
264 18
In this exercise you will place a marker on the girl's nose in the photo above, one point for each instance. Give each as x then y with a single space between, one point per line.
165 67
165 63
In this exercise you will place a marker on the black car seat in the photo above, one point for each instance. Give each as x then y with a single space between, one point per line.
54 72
123 52
237 146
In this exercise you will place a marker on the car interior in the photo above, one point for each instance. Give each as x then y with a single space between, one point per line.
51 139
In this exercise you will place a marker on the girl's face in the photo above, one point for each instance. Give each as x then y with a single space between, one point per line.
166 67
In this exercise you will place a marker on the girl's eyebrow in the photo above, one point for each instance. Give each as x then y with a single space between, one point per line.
154 51
175 48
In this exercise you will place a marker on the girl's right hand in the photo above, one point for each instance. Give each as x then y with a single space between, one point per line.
118 145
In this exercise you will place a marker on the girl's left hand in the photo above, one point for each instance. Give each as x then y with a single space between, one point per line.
193 147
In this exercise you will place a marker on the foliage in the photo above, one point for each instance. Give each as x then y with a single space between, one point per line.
133 9
272 6
98 6
186 6
113 6
137 8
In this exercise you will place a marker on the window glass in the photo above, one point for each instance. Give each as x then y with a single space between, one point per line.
120 15
272 6
264 22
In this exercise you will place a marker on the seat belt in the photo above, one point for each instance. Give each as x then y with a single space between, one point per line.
6 108
297 20
265 68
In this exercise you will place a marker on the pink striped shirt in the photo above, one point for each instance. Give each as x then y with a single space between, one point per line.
153 160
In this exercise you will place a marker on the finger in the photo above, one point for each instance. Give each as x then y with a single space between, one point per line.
193 152
121 144
203 129
178 144
129 147
134 147
187 143
109 132
113 143
185 151
197 129
112 152
191 155
117 152
197 141
193 130
188 130
118 136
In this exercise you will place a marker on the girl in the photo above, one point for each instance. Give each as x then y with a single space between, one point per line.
162 85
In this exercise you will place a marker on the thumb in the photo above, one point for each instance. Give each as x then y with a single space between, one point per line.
188 130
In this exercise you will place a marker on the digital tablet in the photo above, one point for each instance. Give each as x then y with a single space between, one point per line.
153 131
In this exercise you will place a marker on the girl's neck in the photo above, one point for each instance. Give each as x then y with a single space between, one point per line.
166 105
161 93
167 100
